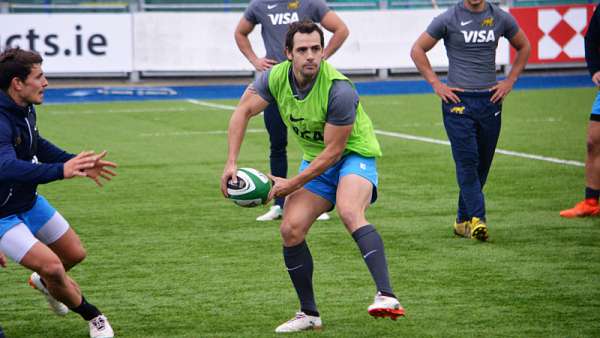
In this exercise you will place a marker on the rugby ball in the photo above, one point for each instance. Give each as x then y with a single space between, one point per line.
251 190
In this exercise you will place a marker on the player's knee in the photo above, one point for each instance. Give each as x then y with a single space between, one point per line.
468 177
593 144
278 149
52 271
291 234
78 256
468 164
349 215
282 155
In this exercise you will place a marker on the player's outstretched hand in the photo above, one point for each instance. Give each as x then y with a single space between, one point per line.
229 173
262 64
100 169
281 187
501 89
596 78
2 260
446 93
77 165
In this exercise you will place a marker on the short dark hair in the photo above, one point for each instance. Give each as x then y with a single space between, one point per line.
16 62
305 27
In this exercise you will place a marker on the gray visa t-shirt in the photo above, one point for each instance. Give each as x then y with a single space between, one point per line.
341 105
274 16
471 40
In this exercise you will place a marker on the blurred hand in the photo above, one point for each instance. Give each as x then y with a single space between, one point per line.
446 93
281 187
78 164
596 78
501 89
2 260
262 64
229 173
100 169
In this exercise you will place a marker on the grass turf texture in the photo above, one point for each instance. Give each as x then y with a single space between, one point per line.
169 257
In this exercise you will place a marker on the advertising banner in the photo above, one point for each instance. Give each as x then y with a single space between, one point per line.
204 42
72 43
556 33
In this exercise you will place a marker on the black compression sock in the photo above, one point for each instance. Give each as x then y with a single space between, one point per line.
591 193
86 310
310 312
299 264
388 294
371 246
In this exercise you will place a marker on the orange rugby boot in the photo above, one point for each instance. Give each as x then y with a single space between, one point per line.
585 208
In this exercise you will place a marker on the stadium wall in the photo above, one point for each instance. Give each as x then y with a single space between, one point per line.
203 41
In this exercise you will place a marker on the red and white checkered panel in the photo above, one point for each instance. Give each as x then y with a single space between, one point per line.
555 32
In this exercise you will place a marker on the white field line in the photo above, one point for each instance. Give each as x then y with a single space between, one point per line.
540 158
499 151
211 105
189 133
393 134
214 105
119 111
142 110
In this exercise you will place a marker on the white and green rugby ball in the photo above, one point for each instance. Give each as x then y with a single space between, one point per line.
252 188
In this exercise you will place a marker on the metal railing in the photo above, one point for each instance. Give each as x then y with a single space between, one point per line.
66 7
74 6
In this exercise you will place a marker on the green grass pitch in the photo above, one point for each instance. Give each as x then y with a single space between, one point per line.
168 256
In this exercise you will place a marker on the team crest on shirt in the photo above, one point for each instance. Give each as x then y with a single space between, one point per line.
294 4
458 110
487 22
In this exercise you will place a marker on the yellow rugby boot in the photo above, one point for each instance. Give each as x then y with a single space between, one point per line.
462 229
479 229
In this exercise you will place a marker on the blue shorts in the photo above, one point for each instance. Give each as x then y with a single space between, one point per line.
34 218
595 116
325 185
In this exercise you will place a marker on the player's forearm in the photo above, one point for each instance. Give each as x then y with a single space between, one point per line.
336 41
49 153
20 171
421 61
318 166
235 135
245 47
519 64
592 54
592 43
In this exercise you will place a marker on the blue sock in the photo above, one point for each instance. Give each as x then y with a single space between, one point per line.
299 264
371 247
